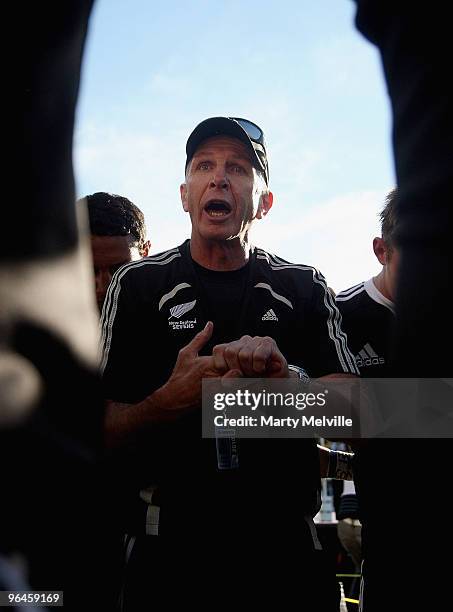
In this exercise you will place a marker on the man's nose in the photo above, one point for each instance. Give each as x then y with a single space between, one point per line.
219 179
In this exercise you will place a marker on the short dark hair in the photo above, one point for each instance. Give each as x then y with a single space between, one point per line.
389 217
115 215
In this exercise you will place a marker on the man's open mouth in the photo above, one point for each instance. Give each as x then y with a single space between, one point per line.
217 208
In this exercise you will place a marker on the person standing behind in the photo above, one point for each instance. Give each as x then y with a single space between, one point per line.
368 318
368 309
118 236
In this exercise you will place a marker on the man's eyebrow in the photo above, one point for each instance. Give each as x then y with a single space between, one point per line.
207 152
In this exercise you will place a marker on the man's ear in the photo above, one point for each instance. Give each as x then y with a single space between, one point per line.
380 250
183 192
266 201
146 248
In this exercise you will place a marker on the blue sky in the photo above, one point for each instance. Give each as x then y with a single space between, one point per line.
153 70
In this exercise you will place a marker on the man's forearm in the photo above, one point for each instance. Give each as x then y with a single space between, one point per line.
124 422
181 394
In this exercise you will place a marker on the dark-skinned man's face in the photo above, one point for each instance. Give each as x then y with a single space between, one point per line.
109 254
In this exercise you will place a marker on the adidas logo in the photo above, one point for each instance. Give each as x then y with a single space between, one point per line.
269 316
368 357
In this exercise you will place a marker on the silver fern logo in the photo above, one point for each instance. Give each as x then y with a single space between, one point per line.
180 309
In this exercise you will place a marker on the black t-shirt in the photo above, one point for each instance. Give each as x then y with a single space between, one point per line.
223 296
368 319
153 308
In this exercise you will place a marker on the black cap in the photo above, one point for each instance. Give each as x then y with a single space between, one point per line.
242 129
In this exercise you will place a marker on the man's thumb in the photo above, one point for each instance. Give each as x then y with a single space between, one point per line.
198 342
233 374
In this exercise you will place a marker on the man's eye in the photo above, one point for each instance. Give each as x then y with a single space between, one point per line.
204 166
238 170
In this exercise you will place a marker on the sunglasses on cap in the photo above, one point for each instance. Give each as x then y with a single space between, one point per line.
256 135
254 132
